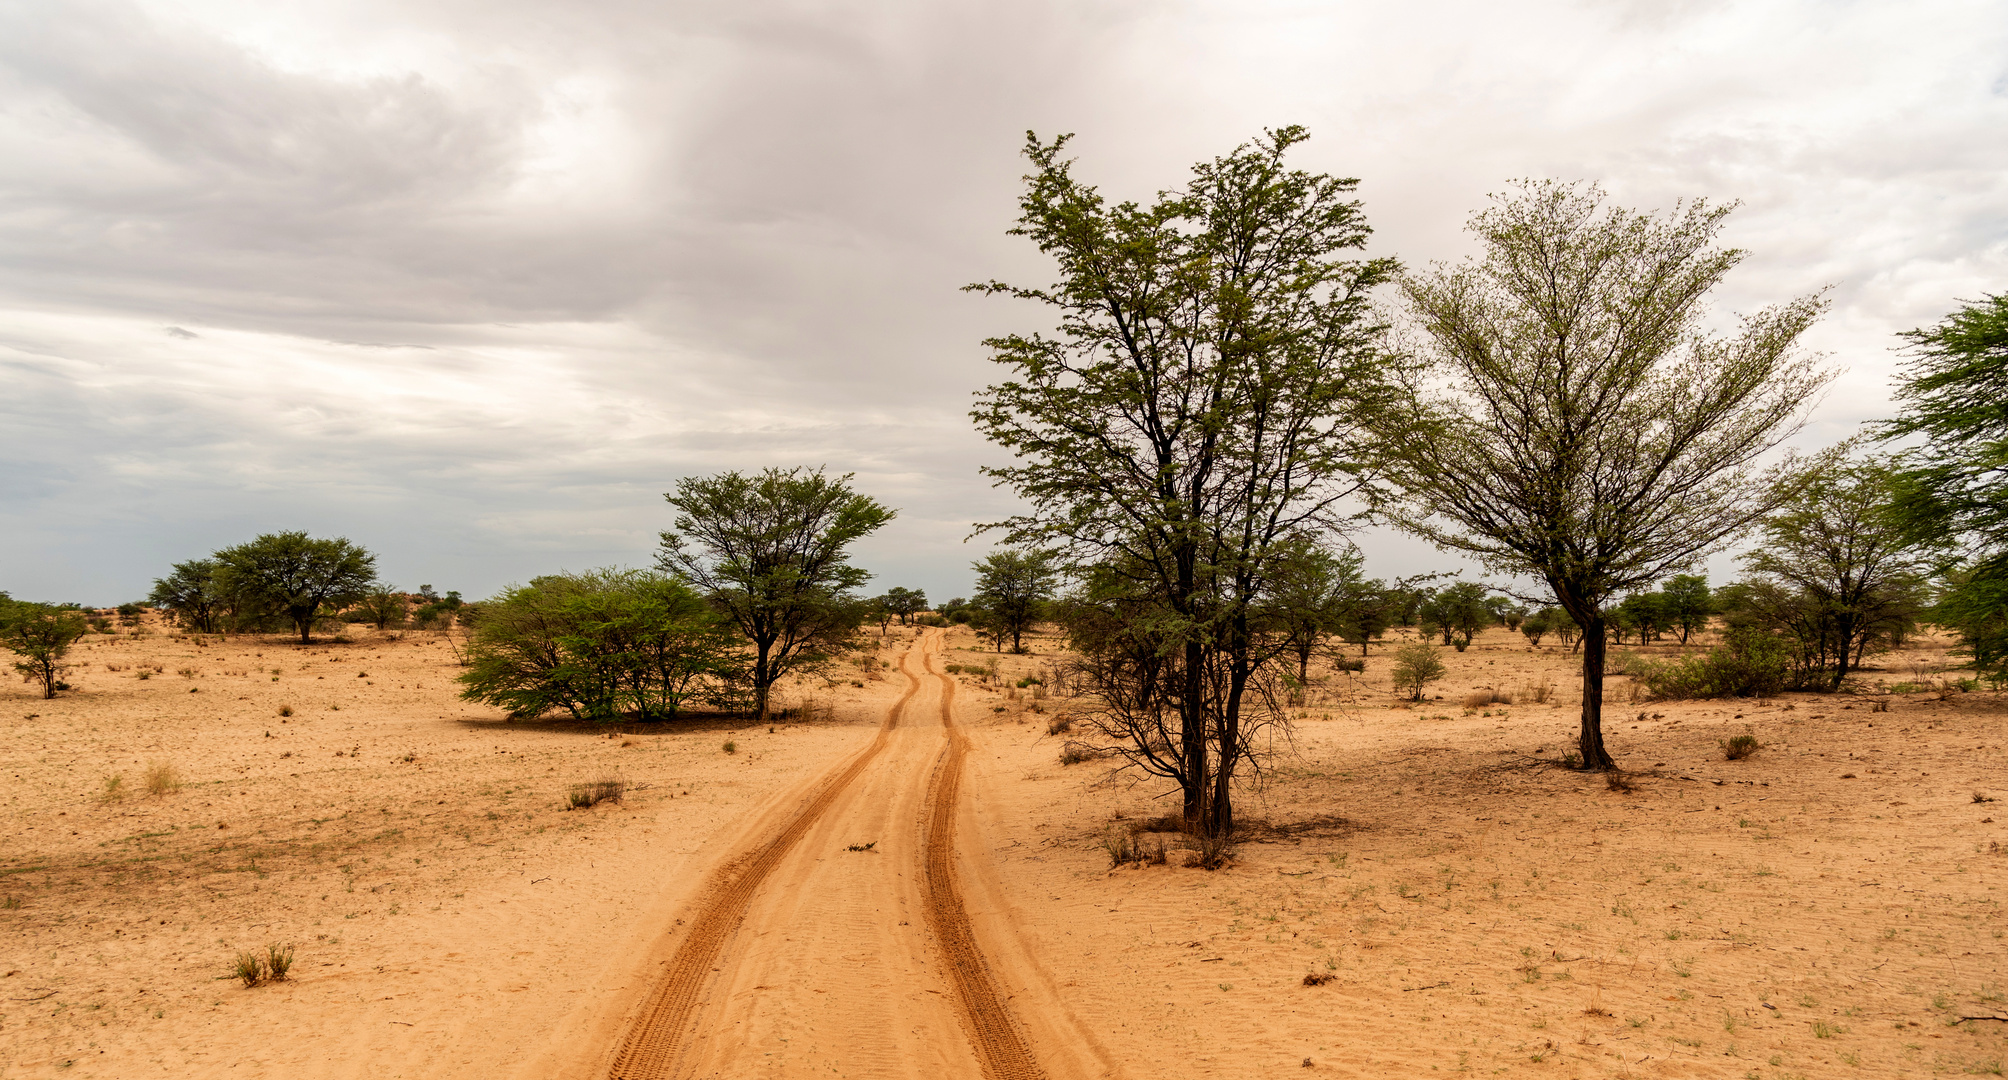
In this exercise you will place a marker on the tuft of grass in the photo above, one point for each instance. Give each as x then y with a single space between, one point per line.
863 847
247 969
285 710
114 790
731 747
594 792
1208 852
1981 797
1738 747
1616 781
278 961
162 778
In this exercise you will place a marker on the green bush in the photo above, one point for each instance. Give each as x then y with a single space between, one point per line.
41 635
1748 663
601 645
1416 665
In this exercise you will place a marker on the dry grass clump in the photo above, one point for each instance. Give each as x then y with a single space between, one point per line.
162 778
1318 978
114 790
1060 724
1535 693
1126 846
595 792
252 969
1738 747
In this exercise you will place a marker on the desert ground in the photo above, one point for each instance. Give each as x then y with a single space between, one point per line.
1825 907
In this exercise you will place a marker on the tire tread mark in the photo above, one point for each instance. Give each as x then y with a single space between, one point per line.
651 1048
1001 1047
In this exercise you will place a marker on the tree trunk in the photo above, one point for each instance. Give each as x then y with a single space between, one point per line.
762 680
1590 744
1192 734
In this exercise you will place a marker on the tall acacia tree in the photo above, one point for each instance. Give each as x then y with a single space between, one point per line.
772 551
1214 364
1574 422
294 575
1013 586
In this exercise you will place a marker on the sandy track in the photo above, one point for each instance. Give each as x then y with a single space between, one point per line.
805 957
997 1039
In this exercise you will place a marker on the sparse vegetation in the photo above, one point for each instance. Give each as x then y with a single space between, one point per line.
1416 665
1738 747
594 792
162 778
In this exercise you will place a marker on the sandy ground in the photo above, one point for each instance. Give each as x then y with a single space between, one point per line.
1827 907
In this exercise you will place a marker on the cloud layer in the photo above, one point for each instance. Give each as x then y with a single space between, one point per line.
473 284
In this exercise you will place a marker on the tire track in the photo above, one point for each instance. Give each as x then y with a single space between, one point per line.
651 1048
1000 1045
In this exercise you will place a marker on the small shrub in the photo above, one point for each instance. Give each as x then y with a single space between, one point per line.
1416 665
1616 781
1535 693
1350 663
278 961
1981 797
162 778
285 710
731 747
1748 663
1319 978
1121 846
1738 747
594 792
1060 724
247 969
863 847
1208 852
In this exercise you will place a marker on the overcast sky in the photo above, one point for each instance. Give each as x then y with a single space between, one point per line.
473 283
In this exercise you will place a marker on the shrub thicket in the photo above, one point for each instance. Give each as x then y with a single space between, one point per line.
1748 663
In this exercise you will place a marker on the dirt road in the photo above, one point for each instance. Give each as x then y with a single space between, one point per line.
842 940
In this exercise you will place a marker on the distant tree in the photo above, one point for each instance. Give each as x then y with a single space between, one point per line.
905 603
193 595
1538 625
1954 486
1464 614
604 645
1307 597
1416 665
41 635
772 551
382 607
1575 422
1837 570
1013 585
1688 604
293 575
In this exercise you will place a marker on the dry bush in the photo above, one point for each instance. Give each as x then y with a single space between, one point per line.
1738 747
1535 694
1208 852
162 778
1060 724
1319 978
1073 752
594 792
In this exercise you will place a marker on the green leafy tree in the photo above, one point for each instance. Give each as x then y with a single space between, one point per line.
772 551
1014 586
1575 422
604 645
1199 406
1837 569
1416 665
382 607
194 595
41 635
1538 625
905 603
293 575
1688 604
1462 610
1953 393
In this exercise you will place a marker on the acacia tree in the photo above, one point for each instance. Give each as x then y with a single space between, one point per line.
1573 422
1845 578
41 635
1013 586
295 575
1214 363
905 603
1954 392
1688 603
193 593
772 552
